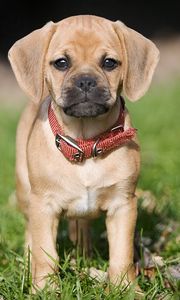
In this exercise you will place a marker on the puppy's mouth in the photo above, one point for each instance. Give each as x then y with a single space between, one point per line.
85 109
82 102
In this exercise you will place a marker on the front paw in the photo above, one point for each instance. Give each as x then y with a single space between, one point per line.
43 276
125 279
121 276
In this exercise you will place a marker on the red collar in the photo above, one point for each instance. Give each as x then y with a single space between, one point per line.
79 149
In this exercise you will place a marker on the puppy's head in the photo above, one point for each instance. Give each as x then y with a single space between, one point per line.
84 66
84 63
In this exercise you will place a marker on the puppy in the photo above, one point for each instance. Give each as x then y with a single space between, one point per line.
77 153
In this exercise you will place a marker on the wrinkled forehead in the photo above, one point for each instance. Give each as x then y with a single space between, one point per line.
85 34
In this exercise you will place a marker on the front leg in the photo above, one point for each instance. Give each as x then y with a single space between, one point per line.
43 228
120 230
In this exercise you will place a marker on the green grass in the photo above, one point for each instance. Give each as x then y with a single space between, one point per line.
157 119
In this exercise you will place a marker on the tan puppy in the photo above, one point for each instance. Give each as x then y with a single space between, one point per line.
81 65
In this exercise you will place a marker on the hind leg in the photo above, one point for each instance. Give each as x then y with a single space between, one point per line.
79 234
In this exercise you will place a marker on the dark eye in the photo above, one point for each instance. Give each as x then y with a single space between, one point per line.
61 64
109 64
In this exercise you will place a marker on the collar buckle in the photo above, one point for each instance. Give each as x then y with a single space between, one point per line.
78 156
119 127
96 151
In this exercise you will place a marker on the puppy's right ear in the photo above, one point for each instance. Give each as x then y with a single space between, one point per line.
27 57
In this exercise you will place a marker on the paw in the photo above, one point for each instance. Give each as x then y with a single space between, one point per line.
119 276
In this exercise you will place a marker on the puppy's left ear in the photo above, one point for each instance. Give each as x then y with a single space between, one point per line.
140 60
27 58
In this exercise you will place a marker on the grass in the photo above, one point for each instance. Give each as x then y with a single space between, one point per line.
157 119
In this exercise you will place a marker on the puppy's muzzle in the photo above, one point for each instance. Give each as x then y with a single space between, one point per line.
86 83
86 97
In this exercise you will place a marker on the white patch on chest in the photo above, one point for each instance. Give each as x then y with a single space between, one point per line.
86 204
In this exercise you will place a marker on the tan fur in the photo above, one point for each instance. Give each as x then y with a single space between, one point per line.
49 185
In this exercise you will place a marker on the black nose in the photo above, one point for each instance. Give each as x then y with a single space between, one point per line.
85 83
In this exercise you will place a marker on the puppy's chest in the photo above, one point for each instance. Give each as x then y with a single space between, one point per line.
84 203
89 190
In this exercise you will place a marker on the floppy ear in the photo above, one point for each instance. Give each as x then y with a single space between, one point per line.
27 60
140 57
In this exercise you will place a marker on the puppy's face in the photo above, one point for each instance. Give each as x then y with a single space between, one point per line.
84 62
84 67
